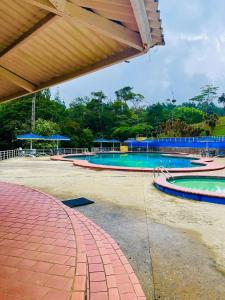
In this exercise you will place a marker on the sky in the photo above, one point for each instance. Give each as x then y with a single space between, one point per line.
193 56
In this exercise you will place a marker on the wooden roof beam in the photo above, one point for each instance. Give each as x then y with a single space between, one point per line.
17 80
44 4
109 61
141 16
95 22
59 4
46 21
114 59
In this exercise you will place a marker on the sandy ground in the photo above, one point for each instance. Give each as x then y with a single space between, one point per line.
176 246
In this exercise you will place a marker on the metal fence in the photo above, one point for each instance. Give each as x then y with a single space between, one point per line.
105 149
7 154
71 150
200 144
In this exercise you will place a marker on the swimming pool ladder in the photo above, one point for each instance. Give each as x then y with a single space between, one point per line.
162 170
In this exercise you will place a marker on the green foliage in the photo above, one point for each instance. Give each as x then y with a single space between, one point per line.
189 115
47 128
210 120
208 94
158 113
219 129
205 100
125 132
221 100
178 128
125 116
126 94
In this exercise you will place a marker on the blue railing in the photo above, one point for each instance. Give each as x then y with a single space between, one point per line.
209 142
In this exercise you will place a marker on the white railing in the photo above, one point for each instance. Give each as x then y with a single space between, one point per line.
72 150
50 151
40 152
162 170
105 149
8 154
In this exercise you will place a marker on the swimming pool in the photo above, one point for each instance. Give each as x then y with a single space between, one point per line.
210 184
139 160
201 188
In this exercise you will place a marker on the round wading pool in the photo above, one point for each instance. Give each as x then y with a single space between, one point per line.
201 188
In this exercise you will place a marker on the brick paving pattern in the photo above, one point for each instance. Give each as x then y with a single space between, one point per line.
51 252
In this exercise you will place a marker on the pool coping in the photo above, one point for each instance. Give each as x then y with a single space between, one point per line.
165 186
208 163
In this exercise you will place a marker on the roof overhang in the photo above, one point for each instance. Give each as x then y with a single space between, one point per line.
46 42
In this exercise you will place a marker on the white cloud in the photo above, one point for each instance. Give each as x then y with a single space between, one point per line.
181 37
194 55
208 58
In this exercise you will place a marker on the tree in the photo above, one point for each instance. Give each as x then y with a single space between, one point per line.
221 100
179 128
46 128
86 138
210 120
206 98
126 94
98 96
125 132
96 115
189 115
158 113
77 110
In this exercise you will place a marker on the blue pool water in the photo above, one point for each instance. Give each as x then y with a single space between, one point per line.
139 160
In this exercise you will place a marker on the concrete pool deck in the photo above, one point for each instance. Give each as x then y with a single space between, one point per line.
185 238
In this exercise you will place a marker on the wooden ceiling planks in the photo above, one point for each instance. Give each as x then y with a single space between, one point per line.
45 42
7 88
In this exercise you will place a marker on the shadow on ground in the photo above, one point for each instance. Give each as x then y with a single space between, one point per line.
171 264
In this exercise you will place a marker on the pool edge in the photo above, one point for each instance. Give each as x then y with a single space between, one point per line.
162 184
209 164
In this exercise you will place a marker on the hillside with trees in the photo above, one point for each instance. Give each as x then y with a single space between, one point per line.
124 116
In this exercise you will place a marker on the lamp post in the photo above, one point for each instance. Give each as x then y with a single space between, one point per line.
33 112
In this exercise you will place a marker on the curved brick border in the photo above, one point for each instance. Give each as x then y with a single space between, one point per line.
51 252
209 164
165 186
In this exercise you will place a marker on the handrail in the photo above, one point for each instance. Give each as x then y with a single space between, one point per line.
162 170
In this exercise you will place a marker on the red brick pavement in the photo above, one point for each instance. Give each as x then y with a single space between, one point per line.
51 252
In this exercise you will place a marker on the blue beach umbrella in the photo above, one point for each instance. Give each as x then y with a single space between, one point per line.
57 138
146 142
30 137
101 141
130 141
114 141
